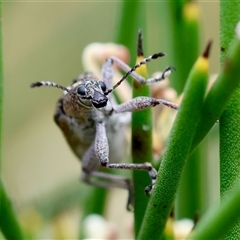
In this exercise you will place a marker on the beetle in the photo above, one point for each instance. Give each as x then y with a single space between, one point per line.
93 123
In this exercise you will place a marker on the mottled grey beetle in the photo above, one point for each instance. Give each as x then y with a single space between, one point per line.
93 124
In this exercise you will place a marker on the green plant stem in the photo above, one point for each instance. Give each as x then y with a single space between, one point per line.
184 23
214 104
177 150
230 151
1 84
141 144
229 121
130 21
189 200
141 153
217 221
8 223
220 93
93 206
128 25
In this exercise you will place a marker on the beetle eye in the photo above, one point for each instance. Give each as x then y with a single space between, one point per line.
102 85
81 90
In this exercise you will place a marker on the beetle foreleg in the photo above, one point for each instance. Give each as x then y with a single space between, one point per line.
101 150
140 103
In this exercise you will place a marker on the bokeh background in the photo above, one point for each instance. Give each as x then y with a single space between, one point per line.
44 41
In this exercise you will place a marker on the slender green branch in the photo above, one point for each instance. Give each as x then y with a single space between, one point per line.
8 222
220 93
176 153
141 143
189 201
226 84
128 24
185 23
1 82
216 223
131 20
229 16
229 121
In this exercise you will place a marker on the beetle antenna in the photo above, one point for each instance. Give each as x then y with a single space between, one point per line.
48 84
144 61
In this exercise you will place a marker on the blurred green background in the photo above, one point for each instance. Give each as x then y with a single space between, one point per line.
44 41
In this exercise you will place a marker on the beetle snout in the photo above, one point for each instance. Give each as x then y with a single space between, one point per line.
99 100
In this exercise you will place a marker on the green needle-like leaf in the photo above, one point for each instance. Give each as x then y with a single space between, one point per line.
9 225
177 151
229 121
141 143
220 93
219 220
